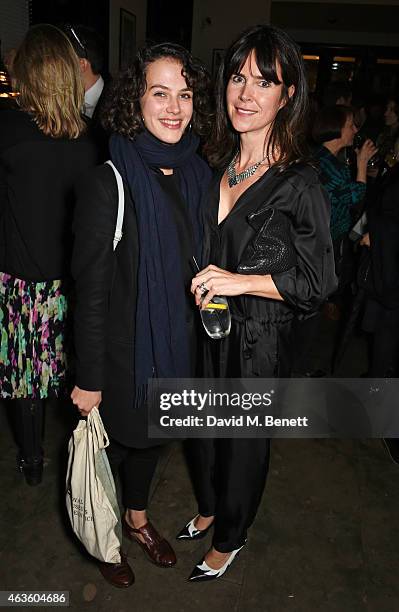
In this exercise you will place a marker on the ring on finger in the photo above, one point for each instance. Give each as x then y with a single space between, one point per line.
203 288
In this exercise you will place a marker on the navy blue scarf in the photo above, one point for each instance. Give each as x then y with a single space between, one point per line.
161 338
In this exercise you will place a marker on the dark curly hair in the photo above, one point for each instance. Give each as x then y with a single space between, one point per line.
271 45
121 112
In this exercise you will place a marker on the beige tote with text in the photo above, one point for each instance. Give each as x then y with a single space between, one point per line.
90 491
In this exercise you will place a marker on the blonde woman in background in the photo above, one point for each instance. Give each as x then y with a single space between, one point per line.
42 151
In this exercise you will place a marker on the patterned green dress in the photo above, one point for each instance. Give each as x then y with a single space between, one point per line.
33 338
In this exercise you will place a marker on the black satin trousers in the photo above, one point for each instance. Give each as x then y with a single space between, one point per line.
229 474
229 477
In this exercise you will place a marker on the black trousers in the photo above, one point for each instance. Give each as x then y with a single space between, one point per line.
383 323
229 477
304 336
136 467
27 418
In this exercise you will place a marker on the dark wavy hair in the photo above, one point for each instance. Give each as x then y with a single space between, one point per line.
271 46
121 112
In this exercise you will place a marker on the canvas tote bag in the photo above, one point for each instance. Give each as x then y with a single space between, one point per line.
90 491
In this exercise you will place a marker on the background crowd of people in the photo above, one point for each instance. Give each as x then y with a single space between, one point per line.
356 152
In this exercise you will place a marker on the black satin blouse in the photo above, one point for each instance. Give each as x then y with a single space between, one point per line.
258 344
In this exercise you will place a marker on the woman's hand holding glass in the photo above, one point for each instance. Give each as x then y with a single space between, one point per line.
363 156
213 281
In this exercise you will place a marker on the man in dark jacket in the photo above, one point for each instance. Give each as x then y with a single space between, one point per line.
89 47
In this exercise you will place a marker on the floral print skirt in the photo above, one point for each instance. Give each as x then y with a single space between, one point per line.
32 338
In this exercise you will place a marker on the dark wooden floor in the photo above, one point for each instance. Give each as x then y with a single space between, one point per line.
326 537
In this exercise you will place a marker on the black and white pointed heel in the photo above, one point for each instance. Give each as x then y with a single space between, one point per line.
190 532
203 572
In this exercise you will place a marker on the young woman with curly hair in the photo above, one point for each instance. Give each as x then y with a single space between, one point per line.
135 318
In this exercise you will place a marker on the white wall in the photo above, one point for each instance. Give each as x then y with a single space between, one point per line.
139 9
14 22
217 22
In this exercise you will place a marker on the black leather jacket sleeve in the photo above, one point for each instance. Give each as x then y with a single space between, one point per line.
93 263
308 284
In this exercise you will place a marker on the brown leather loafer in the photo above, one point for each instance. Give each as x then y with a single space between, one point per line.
118 574
157 548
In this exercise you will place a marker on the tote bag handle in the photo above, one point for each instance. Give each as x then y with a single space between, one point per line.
121 205
95 425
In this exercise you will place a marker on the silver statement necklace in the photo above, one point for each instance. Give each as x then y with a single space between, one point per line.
234 179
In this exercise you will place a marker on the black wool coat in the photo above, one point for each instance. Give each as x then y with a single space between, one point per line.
104 316
38 175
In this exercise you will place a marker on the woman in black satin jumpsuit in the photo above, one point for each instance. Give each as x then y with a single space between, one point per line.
268 246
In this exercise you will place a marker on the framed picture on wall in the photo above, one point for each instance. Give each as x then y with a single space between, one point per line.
127 38
217 57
